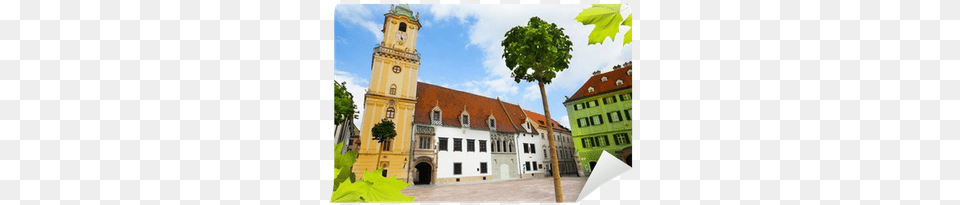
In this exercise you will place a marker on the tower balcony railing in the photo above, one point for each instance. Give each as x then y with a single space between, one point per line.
390 51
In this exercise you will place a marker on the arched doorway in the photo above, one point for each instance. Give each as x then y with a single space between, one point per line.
424 173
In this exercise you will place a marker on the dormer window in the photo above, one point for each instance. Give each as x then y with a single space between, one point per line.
590 89
619 82
603 79
465 119
492 123
629 71
435 116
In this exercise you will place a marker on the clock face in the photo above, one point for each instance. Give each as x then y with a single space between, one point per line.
396 69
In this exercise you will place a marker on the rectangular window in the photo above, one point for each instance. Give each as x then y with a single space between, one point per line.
384 173
608 100
483 167
602 140
493 124
466 120
457 145
457 168
527 166
625 97
621 138
424 142
483 146
578 106
436 115
596 120
614 116
627 112
525 148
534 166
442 144
587 142
470 147
582 122
533 148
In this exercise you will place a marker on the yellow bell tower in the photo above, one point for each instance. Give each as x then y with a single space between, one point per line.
391 95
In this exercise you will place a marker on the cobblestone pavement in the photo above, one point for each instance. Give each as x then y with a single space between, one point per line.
537 190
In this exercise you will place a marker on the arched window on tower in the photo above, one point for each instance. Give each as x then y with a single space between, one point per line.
390 112
393 89
403 27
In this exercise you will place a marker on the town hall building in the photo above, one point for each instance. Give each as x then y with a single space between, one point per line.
445 135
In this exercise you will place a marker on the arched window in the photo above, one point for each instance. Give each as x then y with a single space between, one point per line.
403 27
390 112
393 89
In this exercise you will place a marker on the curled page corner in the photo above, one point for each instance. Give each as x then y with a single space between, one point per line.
607 168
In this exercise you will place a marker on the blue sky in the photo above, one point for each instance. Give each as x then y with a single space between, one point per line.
460 49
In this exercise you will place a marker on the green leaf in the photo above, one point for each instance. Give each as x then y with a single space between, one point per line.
343 161
607 19
628 37
349 191
384 189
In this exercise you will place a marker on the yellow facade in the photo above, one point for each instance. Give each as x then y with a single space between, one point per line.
393 85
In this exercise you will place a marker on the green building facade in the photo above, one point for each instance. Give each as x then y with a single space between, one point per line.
600 114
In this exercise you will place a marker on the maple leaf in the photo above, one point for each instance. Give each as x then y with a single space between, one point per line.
384 189
343 161
606 18
348 191
628 37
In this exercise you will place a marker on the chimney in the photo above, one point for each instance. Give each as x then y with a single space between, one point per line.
596 72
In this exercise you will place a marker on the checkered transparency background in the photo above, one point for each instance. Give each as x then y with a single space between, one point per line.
229 102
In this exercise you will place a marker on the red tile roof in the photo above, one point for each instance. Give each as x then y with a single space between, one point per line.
518 116
453 102
604 87
539 119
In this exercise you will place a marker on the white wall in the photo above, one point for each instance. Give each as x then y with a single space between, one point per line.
470 160
527 157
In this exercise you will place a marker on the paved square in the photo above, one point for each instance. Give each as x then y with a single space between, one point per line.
537 190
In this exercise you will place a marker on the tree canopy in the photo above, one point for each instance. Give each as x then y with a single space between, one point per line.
383 131
343 107
537 51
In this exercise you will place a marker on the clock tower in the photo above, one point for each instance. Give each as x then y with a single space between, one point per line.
391 95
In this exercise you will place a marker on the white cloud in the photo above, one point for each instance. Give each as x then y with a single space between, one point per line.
356 86
565 120
490 22
359 15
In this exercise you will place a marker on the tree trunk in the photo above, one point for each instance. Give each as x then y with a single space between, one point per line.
379 155
553 149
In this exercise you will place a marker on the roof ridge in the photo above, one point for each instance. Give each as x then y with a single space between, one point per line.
458 90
